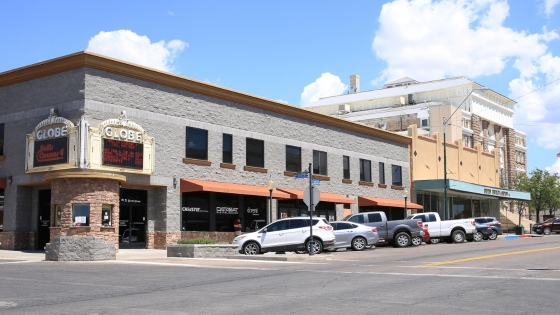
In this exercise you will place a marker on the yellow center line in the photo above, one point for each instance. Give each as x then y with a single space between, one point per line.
489 256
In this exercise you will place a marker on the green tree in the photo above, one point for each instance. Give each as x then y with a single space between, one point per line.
542 186
521 183
554 200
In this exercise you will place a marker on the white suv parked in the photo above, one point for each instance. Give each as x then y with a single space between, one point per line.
290 234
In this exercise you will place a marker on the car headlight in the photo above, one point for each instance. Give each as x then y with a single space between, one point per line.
239 238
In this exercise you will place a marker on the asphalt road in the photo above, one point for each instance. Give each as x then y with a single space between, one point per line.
519 276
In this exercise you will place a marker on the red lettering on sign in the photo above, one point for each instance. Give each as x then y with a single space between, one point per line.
46 154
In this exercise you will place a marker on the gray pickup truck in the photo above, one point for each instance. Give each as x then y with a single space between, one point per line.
399 233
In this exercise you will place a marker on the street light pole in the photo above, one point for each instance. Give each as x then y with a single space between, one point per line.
445 121
270 185
405 194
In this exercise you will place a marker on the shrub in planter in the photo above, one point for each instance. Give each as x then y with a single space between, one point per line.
201 240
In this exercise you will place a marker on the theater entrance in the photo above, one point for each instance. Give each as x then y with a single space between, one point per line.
132 218
43 228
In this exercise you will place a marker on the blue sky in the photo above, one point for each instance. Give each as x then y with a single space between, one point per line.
276 49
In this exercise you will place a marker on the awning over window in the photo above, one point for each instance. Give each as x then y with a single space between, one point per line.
189 185
327 197
3 183
370 201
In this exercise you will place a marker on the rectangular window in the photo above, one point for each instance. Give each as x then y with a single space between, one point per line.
227 149
365 170
255 153
381 173
1 139
106 215
346 167
320 163
293 159
80 215
57 214
196 211
397 175
424 123
197 144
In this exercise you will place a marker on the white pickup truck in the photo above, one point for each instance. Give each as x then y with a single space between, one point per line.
450 230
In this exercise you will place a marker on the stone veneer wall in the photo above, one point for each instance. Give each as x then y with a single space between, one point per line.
509 158
476 128
17 240
486 134
95 192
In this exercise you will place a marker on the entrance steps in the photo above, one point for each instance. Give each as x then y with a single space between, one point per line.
510 220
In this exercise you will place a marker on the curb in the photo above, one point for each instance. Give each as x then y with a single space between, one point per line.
305 257
521 236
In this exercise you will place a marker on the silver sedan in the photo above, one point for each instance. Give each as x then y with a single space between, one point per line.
353 235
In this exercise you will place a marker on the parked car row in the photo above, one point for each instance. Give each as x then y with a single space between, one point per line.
548 226
363 230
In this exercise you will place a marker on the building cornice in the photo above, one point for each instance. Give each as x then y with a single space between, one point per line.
100 62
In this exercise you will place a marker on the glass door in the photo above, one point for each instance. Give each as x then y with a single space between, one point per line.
132 219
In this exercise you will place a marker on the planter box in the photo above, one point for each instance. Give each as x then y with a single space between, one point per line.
80 248
202 250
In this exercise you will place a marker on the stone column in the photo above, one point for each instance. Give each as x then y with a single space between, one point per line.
486 134
509 158
476 127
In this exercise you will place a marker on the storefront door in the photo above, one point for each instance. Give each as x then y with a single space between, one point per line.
132 218
43 227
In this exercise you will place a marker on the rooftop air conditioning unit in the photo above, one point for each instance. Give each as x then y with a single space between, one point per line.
343 109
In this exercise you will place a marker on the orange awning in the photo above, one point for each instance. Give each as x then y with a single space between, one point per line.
188 185
3 183
298 194
369 201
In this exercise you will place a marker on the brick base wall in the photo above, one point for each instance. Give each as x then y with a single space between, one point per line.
17 240
162 238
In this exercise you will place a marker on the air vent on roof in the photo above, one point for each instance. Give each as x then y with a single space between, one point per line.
343 109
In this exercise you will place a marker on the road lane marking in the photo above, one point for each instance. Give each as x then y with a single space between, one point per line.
489 256
179 265
18 262
481 268
428 275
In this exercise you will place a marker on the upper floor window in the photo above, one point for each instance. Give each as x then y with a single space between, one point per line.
466 123
227 149
320 162
255 152
397 175
467 141
293 159
381 173
1 139
346 167
365 170
424 123
197 144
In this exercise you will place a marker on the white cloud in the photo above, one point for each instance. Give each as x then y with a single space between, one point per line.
129 46
549 6
427 40
555 168
281 101
171 13
327 85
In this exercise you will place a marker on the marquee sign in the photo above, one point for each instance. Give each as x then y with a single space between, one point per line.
121 145
52 145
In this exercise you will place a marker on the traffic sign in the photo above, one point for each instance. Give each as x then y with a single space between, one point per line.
316 196
316 182
302 176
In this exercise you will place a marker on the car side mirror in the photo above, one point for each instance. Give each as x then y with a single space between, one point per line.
264 230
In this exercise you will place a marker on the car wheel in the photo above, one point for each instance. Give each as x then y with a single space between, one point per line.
494 236
477 237
314 245
402 240
557 232
546 231
251 248
359 243
416 241
458 236
434 240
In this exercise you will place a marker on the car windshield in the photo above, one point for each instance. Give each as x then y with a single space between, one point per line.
346 217
549 220
409 217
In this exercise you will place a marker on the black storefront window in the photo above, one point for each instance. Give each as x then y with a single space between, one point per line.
197 144
196 211
293 159
254 213
1 139
397 175
297 208
226 210
227 149
365 170
346 167
381 173
255 153
320 163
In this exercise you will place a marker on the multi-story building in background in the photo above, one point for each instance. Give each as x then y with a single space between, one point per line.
484 117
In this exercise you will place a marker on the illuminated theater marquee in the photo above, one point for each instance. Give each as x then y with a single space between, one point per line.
121 145
52 145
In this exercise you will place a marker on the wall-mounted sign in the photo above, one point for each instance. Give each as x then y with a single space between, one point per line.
226 210
121 145
496 192
192 209
52 145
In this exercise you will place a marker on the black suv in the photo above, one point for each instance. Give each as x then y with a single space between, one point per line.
494 223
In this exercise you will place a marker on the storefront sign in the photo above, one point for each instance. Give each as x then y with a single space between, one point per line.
496 192
189 209
51 152
52 144
130 200
254 211
226 210
122 153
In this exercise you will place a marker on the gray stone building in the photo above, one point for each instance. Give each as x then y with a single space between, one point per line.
95 146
